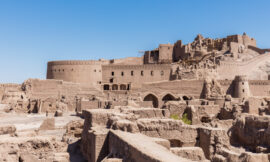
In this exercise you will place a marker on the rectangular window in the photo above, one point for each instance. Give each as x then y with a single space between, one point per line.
112 73
141 73
122 73
152 73
131 73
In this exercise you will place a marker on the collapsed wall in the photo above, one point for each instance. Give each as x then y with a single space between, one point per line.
36 95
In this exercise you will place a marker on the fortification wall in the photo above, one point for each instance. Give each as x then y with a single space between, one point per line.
227 86
229 69
128 61
259 50
135 74
259 87
51 88
8 87
85 72
165 53
178 87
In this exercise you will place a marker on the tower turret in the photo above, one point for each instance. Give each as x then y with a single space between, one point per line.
241 87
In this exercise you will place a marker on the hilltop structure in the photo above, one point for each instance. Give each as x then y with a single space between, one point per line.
208 100
196 60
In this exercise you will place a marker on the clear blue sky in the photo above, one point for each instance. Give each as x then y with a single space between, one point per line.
33 32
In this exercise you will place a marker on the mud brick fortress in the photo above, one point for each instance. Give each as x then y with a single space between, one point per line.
208 100
177 69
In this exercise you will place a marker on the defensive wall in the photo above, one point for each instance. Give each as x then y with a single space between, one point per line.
257 87
8 87
135 74
161 91
84 72
229 69
128 61
184 89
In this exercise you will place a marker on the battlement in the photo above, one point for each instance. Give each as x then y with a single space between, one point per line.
78 62
241 78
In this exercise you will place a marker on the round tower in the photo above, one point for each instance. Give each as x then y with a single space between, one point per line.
241 87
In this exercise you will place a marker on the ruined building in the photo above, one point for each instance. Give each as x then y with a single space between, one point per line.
208 100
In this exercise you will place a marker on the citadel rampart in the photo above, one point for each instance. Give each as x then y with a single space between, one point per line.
135 74
85 72
243 68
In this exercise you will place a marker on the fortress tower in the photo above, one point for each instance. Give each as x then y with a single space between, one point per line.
241 86
85 72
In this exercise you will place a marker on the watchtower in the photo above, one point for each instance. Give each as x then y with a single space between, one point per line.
241 87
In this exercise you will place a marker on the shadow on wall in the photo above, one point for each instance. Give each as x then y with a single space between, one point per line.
74 151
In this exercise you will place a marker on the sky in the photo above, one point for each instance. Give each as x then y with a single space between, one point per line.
33 32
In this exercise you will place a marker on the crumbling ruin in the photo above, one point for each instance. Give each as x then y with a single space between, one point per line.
208 100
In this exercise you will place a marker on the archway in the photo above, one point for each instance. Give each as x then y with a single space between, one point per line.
123 87
185 98
168 97
153 98
114 87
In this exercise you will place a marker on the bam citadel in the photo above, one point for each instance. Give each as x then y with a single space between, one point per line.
208 100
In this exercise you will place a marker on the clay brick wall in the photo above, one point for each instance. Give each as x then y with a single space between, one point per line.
133 73
52 88
180 87
128 61
85 72
8 87
259 87
151 57
240 68
165 53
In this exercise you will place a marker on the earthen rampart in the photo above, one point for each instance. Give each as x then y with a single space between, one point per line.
85 72
229 69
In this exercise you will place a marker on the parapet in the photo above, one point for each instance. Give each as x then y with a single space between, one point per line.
241 78
78 62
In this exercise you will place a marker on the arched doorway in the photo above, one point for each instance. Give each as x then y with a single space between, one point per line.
168 97
115 87
153 98
123 87
185 98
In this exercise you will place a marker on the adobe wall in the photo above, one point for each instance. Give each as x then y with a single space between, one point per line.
178 87
85 72
259 87
151 57
135 74
138 147
242 68
165 53
51 88
128 61
8 87
179 51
